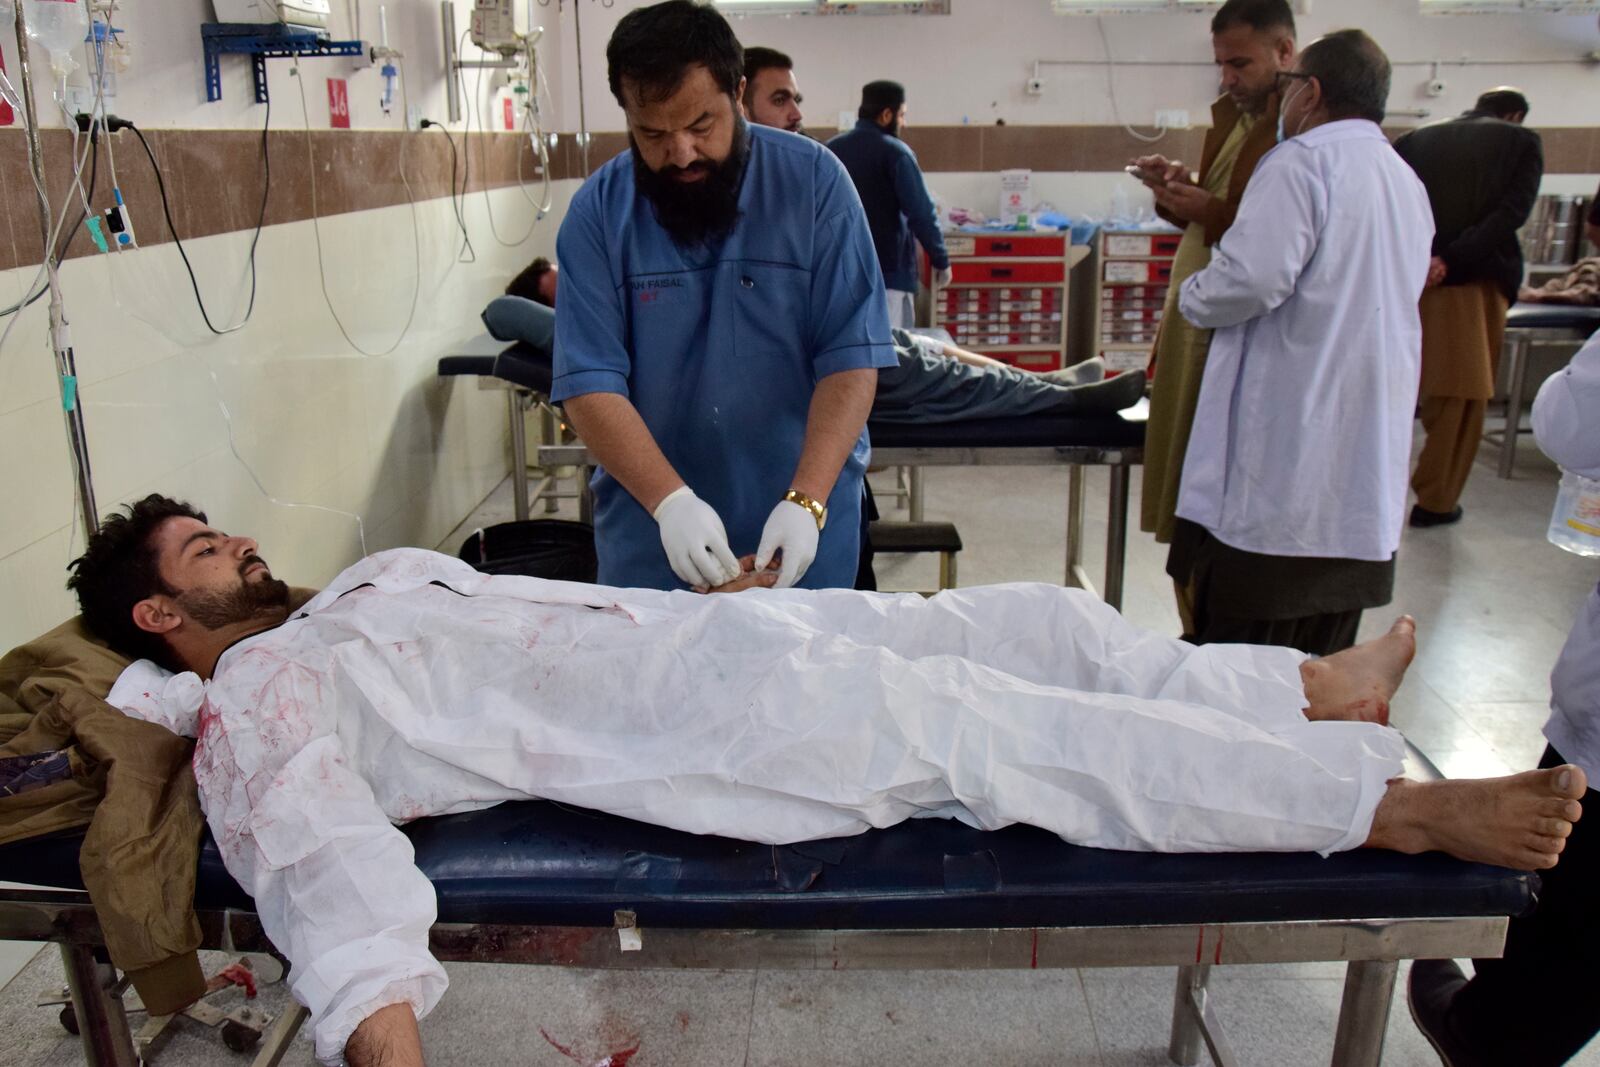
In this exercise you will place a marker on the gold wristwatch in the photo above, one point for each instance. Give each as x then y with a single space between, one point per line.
818 511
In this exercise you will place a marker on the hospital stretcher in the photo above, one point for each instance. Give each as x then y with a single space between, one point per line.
1527 326
538 883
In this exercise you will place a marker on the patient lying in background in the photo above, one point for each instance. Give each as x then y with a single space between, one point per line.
414 686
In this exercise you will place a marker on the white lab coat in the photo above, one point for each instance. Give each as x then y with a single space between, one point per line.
770 716
1302 436
1566 423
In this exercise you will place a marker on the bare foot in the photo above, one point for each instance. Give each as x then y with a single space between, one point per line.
1520 821
1355 685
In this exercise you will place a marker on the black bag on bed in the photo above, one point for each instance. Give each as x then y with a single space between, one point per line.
558 549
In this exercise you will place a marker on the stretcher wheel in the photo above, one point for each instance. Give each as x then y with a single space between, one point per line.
69 1019
238 1037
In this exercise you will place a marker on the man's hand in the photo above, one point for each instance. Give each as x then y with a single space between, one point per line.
1188 202
1436 272
941 277
1158 172
695 540
793 529
386 1038
749 578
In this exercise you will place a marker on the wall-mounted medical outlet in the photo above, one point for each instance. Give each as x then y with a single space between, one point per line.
1173 119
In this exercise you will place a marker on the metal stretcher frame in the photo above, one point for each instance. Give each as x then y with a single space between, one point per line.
1118 461
1372 948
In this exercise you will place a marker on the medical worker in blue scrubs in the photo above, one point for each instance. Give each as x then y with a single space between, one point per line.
720 326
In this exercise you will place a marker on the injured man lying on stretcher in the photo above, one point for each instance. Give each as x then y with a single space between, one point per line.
414 686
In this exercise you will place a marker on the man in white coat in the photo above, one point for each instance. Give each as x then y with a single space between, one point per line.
1294 486
1540 1004
414 686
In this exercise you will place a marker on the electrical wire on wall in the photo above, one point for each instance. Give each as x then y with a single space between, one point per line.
261 218
316 228
467 254
1111 90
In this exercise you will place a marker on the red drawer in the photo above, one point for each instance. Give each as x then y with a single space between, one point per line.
1010 272
1142 244
1041 245
1035 361
1137 272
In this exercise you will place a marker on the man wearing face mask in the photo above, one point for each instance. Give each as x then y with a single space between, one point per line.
1252 41
1294 485
899 209
720 326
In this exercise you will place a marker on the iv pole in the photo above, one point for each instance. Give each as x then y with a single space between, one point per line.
60 339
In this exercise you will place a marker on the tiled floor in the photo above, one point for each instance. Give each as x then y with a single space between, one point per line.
1493 601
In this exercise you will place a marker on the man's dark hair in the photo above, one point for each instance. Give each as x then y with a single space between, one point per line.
878 96
1501 103
119 568
756 60
653 48
526 284
1260 15
1353 72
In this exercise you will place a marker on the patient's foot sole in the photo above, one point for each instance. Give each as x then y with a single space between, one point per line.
1356 685
1520 821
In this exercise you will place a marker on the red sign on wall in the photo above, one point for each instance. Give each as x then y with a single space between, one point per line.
7 116
511 117
338 104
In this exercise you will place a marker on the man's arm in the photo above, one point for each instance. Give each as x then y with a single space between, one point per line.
1258 262
917 206
387 1038
839 409
335 884
612 429
1500 225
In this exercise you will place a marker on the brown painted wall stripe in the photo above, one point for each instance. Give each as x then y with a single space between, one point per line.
214 177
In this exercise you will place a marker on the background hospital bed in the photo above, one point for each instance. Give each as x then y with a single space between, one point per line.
1026 441
1034 440
537 883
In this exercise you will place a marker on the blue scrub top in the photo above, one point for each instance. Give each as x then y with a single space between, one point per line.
720 348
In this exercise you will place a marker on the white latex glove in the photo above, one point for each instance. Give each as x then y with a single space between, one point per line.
793 529
695 540
941 277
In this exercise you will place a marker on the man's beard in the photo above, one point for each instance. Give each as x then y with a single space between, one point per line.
216 609
893 129
699 212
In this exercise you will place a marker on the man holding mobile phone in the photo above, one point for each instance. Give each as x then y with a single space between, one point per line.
1252 40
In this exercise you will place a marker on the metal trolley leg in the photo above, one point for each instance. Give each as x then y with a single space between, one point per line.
516 399
102 1022
1117 533
1364 1013
1193 1022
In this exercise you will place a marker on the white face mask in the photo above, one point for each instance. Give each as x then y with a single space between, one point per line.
1283 107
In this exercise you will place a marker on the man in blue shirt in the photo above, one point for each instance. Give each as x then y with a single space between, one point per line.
720 326
886 175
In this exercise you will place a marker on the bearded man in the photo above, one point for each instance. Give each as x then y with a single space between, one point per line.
720 327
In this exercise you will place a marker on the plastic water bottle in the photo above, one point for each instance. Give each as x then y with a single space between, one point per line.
58 26
1575 523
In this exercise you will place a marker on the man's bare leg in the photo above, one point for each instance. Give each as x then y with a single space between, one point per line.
1520 821
1356 685
386 1038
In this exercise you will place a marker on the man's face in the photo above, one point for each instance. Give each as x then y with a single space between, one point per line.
220 579
687 135
1298 97
893 123
689 152
1249 61
547 285
775 99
